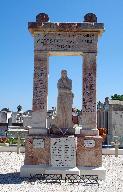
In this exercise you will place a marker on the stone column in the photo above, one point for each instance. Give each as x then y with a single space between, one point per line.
40 89
89 91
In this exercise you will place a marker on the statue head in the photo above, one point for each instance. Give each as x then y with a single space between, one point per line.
63 74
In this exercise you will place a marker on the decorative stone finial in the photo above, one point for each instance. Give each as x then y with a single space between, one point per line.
90 17
42 17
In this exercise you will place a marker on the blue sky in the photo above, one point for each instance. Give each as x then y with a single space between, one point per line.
16 49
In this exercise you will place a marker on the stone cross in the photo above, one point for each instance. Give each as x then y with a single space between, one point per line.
116 144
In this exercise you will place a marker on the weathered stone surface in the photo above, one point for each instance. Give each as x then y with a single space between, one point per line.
40 88
40 82
35 156
89 91
62 123
39 119
64 101
65 39
72 42
86 156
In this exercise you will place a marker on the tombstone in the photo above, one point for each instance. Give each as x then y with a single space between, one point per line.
3 117
14 117
58 151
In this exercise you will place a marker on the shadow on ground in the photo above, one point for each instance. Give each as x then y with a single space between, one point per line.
12 178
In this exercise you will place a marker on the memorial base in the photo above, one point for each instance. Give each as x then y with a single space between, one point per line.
51 154
32 170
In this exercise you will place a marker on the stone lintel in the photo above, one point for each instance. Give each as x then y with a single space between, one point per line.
71 53
34 27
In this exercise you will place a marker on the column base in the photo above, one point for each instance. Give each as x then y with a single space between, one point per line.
38 131
89 132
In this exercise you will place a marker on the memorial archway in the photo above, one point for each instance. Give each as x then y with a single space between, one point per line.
65 39
46 152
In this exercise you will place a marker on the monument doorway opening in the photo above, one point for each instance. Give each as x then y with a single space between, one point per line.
73 65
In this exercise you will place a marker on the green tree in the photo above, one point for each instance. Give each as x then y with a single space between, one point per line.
117 97
19 108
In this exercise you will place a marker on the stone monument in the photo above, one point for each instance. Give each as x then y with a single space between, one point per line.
63 121
65 101
47 152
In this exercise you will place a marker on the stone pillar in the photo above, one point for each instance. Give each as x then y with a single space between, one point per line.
89 91
40 89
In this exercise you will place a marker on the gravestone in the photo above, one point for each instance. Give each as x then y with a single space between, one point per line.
60 150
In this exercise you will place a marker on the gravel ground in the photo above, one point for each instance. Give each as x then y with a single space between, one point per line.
10 164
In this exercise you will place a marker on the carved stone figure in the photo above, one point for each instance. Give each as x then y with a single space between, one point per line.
64 101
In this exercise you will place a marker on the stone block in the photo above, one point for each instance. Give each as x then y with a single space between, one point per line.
38 131
99 171
31 170
35 156
89 132
39 119
88 120
89 156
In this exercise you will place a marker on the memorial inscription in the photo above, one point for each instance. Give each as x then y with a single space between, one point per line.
63 152
38 143
89 143
71 41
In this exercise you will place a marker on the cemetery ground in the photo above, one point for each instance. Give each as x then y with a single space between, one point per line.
10 163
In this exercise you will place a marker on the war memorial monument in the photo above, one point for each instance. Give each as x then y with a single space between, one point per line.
57 149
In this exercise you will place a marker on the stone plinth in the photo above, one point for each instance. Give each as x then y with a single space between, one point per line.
32 170
37 155
90 155
64 151
89 132
75 155
63 155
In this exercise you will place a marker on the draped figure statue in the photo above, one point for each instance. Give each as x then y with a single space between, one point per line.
64 101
